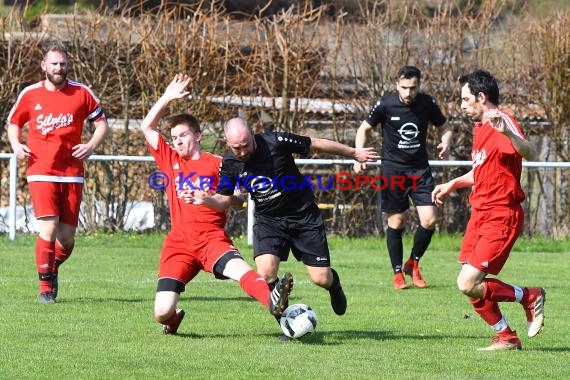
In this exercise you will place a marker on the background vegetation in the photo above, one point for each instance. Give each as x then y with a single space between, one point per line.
346 52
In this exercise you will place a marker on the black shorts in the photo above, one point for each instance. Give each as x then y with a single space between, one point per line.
302 233
403 184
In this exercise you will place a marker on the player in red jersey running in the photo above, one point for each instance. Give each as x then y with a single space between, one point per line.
197 240
497 216
54 110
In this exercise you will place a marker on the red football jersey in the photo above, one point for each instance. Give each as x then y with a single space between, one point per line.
183 174
55 123
497 167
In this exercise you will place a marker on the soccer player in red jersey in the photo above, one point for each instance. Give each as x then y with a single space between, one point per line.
197 240
497 216
54 110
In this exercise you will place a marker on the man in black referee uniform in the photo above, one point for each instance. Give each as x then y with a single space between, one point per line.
404 116
286 215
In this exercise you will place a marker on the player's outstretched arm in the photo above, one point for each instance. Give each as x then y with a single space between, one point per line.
175 90
333 147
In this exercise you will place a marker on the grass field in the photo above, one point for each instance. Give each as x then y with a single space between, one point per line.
102 326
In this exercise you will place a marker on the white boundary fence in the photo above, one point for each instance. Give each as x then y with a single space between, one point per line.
13 165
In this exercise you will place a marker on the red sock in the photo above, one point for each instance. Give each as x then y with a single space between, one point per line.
45 255
255 286
488 310
61 254
498 291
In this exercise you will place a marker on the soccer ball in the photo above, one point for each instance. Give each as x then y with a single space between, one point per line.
298 320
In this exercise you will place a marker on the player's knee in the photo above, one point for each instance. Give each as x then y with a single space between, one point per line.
466 287
321 278
162 312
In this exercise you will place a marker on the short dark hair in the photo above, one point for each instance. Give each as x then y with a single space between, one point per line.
184 118
57 47
482 81
409 72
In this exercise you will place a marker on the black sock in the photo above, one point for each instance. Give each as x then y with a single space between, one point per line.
395 248
336 281
422 238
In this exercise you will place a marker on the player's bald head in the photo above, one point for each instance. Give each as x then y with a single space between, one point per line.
239 137
236 129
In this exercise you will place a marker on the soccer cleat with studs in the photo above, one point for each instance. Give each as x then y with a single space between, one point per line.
412 268
534 309
172 328
279 296
499 343
400 281
46 298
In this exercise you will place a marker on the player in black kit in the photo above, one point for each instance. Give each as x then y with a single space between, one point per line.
404 116
286 215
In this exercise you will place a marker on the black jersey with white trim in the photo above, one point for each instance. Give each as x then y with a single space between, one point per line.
404 128
270 175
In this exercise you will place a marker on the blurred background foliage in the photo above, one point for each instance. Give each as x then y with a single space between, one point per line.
285 52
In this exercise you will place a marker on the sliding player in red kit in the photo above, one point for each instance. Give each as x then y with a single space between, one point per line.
197 240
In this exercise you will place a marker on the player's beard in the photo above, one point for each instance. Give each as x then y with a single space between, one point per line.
57 79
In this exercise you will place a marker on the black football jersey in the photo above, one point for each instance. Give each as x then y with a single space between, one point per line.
270 175
404 128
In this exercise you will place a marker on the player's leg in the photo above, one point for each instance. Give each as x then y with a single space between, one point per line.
167 295
46 208
471 283
422 239
270 246
70 200
396 223
232 265
501 227
421 184
45 254
328 278
178 265
309 244
488 240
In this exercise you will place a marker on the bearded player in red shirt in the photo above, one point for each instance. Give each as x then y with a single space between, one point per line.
497 216
197 240
54 110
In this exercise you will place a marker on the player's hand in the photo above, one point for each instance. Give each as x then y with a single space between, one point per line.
177 88
359 167
444 150
21 151
82 151
196 197
440 193
365 155
497 119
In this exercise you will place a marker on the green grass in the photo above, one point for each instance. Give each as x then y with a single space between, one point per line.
102 326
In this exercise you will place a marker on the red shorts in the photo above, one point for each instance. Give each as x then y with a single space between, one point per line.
490 236
194 247
57 199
